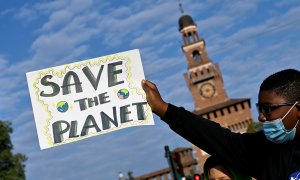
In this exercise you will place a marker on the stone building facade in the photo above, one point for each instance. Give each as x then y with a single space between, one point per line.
187 160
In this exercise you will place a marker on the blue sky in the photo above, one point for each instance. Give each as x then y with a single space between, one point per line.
249 39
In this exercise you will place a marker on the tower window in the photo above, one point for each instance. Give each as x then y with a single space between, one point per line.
208 116
235 107
190 37
228 109
196 56
185 39
215 114
222 112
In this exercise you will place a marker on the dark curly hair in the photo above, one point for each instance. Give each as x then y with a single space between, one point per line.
213 162
285 83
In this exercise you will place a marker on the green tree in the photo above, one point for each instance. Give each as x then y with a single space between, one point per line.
254 127
12 166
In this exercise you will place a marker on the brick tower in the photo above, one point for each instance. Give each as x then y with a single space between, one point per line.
206 85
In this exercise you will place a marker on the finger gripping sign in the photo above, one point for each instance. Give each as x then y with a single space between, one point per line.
88 98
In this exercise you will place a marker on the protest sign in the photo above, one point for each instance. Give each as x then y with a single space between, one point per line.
88 98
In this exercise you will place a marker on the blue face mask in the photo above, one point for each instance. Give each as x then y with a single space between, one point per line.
276 132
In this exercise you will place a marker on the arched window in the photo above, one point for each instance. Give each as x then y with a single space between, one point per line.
190 36
184 38
196 56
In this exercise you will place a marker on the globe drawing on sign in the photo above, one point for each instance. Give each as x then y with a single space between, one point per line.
123 93
62 106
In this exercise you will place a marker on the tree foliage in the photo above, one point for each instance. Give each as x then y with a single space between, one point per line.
12 166
254 127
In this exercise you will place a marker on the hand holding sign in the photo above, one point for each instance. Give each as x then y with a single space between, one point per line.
154 99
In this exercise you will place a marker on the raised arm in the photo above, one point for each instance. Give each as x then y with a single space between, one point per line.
157 104
237 150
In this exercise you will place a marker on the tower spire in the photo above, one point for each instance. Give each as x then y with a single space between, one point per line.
181 8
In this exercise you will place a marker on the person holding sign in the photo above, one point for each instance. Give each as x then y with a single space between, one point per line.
273 153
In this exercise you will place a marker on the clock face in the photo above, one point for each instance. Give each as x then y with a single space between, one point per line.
207 90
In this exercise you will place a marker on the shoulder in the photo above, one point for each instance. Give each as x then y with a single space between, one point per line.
257 139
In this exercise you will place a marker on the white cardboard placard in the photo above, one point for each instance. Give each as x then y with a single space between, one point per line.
88 98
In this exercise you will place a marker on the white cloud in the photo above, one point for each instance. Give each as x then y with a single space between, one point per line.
282 3
3 62
6 12
26 14
25 116
10 100
121 12
58 18
242 7
221 22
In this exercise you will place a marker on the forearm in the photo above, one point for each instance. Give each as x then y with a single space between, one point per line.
199 131
209 136
161 109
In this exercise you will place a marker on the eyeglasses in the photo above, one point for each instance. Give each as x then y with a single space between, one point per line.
266 109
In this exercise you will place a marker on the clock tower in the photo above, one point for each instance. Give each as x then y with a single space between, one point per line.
205 82
203 78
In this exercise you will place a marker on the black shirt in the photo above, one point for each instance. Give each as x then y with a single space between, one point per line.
250 153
